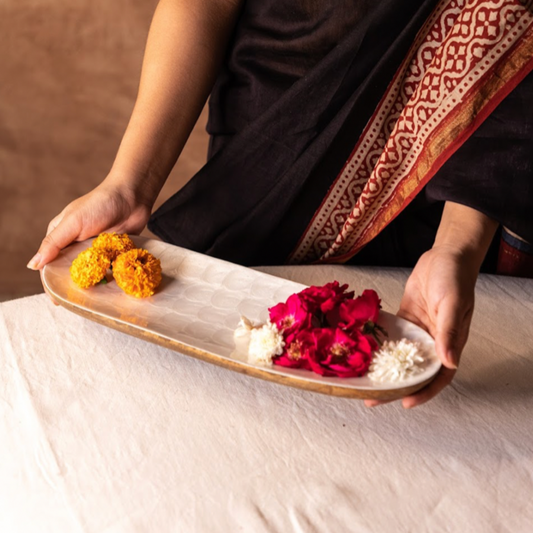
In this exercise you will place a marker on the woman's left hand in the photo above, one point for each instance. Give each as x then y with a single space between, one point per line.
439 297
439 294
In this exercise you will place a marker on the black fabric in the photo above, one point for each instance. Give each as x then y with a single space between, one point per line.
493 171
275 44
297 88
273 143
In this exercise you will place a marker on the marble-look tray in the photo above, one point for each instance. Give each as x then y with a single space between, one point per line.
198 306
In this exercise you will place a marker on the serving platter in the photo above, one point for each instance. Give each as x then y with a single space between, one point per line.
198 306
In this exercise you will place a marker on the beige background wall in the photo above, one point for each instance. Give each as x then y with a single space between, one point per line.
69 73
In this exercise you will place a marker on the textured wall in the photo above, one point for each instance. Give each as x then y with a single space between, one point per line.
69 73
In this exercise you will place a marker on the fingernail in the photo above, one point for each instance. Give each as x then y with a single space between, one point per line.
452 362
35 262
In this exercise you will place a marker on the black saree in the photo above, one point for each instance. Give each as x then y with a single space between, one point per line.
298 86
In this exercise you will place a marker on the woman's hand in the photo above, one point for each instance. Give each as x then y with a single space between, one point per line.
439 297
185 48
107 208
439 294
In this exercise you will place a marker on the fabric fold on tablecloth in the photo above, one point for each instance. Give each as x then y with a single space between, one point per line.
147 439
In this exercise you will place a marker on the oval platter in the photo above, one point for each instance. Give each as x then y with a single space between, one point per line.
198 306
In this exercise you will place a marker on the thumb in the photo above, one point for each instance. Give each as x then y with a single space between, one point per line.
58 237
453 324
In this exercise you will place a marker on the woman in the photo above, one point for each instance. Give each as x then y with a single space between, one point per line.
315 151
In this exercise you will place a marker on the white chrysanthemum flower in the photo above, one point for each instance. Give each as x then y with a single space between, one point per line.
265 343
243 328
396 361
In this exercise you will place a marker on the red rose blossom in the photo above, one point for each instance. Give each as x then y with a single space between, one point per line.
354 314
291 316
338 354
344 349
298 350
325 298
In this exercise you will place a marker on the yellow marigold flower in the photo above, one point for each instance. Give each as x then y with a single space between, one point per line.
113 244
89 268
137 272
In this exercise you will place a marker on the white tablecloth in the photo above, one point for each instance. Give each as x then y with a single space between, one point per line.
102 432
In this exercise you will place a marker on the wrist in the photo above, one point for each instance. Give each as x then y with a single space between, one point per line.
136 186
466 233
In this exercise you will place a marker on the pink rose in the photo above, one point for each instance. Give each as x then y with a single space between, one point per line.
325 298
298 349
327 331
338 354
354 314
291 316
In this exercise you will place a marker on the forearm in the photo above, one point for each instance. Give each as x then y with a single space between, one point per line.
185 47
467 232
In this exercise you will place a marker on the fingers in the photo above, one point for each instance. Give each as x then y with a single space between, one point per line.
442 380
407 314
450 329
453 319
60 234
54 223
453 323
413 307
375 403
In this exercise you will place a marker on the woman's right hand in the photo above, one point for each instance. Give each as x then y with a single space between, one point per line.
107 208
185 49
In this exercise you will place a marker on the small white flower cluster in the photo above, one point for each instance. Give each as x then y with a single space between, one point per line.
265 343
396 361
243 328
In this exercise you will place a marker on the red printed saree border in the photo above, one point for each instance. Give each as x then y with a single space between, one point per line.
466 58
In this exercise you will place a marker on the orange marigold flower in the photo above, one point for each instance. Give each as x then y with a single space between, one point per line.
89 268
137 272
113 244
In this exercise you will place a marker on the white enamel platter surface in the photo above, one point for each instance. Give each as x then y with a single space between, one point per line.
198 306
